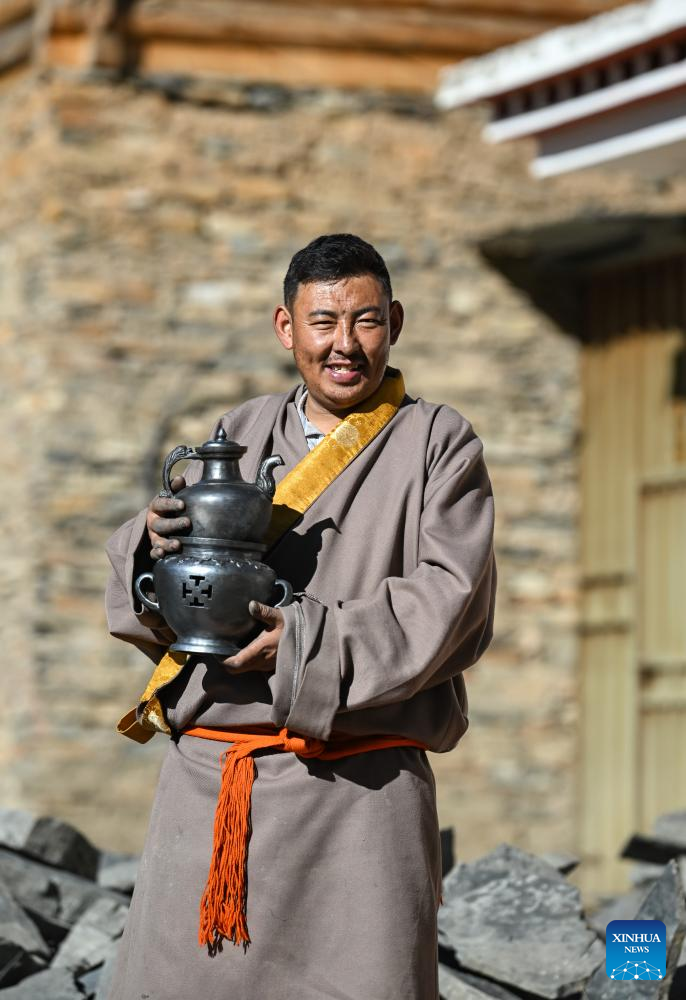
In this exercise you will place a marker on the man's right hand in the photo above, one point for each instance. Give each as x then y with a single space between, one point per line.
164 520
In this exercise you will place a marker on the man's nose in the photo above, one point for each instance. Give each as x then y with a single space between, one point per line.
345 341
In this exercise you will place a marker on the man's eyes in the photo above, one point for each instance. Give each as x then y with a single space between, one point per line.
364 321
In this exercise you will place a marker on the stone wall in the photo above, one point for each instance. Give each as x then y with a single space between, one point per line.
143 239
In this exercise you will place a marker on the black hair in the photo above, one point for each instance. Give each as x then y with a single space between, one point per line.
332 257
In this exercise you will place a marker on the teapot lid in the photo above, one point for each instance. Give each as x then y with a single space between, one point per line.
220 447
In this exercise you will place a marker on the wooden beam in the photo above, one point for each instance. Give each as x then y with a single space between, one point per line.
285 65
15 44
339 27
15 10
72 15
560 10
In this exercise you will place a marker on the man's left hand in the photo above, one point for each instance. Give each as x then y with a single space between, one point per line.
260 654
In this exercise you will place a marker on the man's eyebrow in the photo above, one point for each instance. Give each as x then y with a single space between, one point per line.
356 314
367 309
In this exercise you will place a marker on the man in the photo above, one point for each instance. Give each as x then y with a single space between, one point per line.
388 544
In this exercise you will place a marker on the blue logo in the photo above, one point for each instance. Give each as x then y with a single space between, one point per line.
636 949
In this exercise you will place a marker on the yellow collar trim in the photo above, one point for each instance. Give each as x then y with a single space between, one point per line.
306 482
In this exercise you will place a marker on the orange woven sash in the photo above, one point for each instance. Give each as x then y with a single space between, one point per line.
223 906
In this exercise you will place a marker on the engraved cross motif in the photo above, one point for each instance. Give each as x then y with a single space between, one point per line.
193 592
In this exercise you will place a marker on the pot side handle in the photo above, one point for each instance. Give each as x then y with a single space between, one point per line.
141 595
287 593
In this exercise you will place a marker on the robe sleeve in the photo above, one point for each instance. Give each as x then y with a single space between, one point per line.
411 632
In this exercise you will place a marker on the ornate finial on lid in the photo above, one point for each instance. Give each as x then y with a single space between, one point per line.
220 435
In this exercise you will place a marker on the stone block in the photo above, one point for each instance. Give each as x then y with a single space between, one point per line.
51 984
22 947
54 899
49 840
453 985
89 943
512 917
624 907
118 872
106 976
561 860
665 901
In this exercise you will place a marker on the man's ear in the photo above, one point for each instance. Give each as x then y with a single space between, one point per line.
283 327
395 320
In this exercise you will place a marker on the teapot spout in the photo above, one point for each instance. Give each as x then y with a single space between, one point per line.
265 479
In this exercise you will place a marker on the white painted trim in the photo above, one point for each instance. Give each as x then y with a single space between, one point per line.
559 51
607 150
577 108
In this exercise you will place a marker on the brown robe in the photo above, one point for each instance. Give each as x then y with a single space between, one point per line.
394 567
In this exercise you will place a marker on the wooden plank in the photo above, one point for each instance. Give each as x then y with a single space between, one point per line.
663 576
592 462
293 67
607 770
561 9
663 763
15 10
71 15
403 29
608 809
15 43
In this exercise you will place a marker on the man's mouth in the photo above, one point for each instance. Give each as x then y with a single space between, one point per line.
345 372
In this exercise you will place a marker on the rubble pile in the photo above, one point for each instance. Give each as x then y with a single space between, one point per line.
511 927
63 904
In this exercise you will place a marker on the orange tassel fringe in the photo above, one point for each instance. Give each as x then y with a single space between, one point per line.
223 907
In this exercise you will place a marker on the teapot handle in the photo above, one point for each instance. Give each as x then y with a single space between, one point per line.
174 456
265 479
287 593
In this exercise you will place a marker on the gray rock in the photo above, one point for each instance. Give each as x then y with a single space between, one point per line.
565 863
52 984
644 873
655 850
447 850
88 981
514 918
90 941
672 826
107 974
624 907
665 901
453 985
54 899
22 948
678 988
49 840
118 871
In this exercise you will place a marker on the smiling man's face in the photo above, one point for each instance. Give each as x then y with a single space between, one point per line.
340 333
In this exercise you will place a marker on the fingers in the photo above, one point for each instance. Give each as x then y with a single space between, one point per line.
260 654
169 525
166 505
163 546
162 522
265 613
